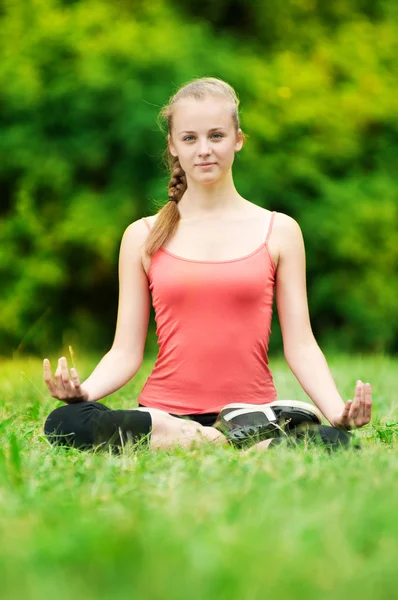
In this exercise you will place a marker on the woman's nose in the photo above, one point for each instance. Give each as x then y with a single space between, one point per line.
204 149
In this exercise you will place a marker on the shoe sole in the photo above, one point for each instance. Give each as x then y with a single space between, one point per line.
290 403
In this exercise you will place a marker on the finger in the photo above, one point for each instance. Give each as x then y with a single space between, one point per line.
343 420
368 403
346 411
356 404
66 380
76 382
360 419
345 415
64 371
58 379
48 377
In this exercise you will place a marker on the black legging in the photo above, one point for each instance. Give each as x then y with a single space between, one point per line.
87 425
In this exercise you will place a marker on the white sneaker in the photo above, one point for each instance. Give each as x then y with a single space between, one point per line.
246 424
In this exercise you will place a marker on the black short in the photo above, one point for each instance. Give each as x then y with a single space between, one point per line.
205 419
86 425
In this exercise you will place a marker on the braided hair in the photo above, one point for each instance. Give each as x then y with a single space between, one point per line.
168 215
178 181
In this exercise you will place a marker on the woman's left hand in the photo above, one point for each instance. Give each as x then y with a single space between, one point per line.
357 412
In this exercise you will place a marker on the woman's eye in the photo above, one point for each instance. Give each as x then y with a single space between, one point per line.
188 138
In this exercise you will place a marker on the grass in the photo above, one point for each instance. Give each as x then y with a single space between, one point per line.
199 524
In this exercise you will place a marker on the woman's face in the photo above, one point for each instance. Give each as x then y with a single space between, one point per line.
203 131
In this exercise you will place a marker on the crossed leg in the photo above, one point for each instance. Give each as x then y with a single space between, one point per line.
168 432
88 425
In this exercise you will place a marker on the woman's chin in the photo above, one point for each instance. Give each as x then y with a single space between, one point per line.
208 179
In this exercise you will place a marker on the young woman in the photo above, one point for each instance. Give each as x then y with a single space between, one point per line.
210 260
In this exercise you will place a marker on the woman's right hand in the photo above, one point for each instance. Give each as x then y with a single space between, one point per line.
66 388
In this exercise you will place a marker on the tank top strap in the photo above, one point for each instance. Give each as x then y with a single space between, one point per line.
268 231
146 223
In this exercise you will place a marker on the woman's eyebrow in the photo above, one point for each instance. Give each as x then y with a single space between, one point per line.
212 129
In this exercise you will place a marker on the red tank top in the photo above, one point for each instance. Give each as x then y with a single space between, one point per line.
213 323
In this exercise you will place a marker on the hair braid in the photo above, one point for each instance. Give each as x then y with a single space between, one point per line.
178 181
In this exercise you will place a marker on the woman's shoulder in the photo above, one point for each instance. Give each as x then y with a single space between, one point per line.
141 226
137 232
285 224
151 220
284 220
145 224
281 221
286 236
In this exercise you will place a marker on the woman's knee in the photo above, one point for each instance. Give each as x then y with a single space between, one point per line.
71 425
88 425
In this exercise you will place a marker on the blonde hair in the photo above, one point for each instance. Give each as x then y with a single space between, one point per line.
169 215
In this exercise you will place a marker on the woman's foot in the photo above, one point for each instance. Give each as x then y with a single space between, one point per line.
247 424
317 436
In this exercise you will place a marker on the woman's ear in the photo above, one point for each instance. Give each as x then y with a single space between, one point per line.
240 138
172 150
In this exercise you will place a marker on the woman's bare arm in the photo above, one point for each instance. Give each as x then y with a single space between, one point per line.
124 358
301 350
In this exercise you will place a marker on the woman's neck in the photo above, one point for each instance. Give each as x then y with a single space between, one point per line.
209 200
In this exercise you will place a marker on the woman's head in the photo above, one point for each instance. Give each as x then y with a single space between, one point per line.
203 132
202 125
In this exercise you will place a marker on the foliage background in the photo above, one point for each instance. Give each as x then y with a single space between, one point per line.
81 84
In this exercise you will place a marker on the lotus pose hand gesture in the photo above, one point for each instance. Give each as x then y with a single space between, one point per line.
66 388
357 412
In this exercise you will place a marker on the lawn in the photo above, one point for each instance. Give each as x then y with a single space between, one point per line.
207 523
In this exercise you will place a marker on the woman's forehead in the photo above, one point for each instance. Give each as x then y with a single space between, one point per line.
193 115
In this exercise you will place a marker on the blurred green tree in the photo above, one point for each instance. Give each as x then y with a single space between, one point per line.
81 84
